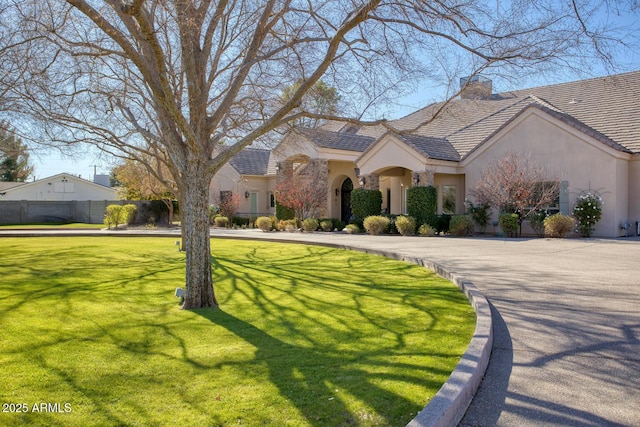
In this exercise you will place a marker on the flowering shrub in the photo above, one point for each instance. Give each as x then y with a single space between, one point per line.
558 225
587 211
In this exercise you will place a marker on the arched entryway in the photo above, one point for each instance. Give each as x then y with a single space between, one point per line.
345 200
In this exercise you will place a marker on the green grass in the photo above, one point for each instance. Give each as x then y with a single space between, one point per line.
306 336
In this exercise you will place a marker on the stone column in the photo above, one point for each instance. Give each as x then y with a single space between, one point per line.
369 182
425 178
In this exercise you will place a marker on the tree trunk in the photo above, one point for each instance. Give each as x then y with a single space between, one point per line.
196 241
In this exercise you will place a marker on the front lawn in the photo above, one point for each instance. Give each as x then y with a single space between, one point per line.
306 336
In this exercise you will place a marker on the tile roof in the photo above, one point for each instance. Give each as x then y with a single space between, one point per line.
605 108
337 140
435 148
251 161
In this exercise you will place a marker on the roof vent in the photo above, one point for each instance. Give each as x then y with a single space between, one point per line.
475 87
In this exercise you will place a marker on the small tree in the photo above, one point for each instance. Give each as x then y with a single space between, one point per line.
227 203
304 191
14 158
587 211
515 183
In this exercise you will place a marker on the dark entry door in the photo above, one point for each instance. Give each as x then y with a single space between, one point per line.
345 199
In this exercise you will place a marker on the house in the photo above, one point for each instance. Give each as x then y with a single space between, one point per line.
586 133
60 187
59 198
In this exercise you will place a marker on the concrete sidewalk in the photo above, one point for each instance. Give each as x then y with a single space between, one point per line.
566 321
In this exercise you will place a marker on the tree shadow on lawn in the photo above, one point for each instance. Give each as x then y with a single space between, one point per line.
308 352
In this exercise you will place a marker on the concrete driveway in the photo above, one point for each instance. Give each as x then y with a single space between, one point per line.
566 320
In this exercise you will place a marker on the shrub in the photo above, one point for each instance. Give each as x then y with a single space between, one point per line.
352 229
536 221
113 216
461 225
426 230
326 225
283 212
509 222
375 224
129 212
221 221
406 225
287 225
587 211
422 204
365 203
442 223
264 223
480 215
240 222
310 224
558 225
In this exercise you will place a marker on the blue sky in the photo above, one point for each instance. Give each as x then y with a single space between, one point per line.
48 163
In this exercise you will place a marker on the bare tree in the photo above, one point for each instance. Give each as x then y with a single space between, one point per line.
516 183
174 78
303 190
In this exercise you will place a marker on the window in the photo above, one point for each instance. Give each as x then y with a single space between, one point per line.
449 199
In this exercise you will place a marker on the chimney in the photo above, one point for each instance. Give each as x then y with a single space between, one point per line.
104 180
475 87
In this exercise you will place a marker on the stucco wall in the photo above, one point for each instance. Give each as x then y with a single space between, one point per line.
634 189
569 155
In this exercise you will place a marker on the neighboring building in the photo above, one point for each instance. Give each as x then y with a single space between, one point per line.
587 133
61 187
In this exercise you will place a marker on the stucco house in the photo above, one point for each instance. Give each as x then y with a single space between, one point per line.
586 133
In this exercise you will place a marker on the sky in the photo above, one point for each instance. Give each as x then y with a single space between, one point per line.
47 162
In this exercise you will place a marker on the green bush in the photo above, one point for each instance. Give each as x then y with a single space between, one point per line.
310 224
366 203
558 225
352 229
264 223
509 222
536 221
587 211
240 222
406 225
461 225
283 212
480 215
326 225
422 204
129 212
376 224
221 221
113 216
426 230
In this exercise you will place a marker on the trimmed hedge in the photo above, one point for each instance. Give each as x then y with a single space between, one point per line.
366 203
422 204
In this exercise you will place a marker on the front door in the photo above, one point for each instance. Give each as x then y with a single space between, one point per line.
345 200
